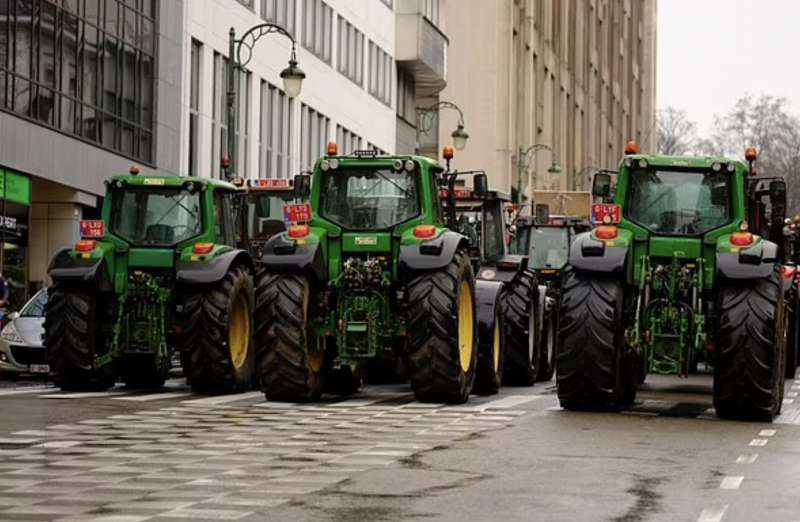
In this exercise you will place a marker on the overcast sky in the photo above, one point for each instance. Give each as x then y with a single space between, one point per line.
711 52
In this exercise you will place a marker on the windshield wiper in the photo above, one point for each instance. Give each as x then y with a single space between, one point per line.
177 203
405 192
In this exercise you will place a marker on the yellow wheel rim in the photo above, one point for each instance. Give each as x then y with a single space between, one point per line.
465 325
239 331
496 345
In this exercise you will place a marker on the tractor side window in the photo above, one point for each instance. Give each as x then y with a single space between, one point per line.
224 218
494 232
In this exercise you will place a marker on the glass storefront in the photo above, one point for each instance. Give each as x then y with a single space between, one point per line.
15 202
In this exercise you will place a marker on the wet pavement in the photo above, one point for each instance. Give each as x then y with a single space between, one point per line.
129 456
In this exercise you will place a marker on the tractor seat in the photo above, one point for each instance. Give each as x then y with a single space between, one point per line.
269 227
160 234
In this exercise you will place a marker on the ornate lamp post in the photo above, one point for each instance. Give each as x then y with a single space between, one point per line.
459 135
523 162
240 52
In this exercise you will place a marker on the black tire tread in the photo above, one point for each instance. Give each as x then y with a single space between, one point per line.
518 369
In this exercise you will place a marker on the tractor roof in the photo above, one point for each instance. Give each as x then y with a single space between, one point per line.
143 180
364 158
680 161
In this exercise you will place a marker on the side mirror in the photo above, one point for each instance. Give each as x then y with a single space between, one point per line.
480 185
601 185
302 186
777 199
542 213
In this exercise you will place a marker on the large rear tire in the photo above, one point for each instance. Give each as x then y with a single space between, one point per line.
749 357
523 339
216 340
73 338
590 358
442 347
289 366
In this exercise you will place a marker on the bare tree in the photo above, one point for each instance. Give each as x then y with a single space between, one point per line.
677 134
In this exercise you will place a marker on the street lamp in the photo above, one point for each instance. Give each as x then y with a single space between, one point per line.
459 135
240 52
523 162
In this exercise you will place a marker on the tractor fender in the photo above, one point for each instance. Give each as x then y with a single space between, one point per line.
431 255
591 255
284 255
487 301
203 272
755 262
65 268
504 269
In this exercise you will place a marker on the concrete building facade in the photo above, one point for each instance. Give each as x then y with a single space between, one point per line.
575 75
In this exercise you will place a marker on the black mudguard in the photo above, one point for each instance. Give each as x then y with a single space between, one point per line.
487 301
431 255
282 255
755 262
65 268
590 255
505 269
200 272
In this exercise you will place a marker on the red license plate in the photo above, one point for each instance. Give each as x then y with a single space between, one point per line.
93 229
297 213
606 213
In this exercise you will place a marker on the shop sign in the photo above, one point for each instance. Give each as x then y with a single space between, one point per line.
15 187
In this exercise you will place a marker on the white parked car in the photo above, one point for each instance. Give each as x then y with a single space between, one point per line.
21 348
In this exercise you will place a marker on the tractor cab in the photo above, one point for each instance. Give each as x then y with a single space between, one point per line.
546 243
263 211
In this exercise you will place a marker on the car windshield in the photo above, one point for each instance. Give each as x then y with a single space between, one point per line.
155 217
686 202
369 199
35 307
549 247
265 213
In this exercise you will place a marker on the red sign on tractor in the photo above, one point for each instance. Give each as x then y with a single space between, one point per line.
606 214
297 213
93 229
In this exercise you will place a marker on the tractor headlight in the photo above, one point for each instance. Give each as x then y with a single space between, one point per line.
716 167
398 164
334 163
325 165
731 167
409 165
642 164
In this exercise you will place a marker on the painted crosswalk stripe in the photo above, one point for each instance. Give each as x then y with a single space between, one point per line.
153 396
32 389
767 433
224 399
83 395
508 402
759 442
713 514
747 459
731 482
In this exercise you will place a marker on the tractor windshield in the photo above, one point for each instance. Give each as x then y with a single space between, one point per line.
265 213
155 217
549 247
367 199
679 202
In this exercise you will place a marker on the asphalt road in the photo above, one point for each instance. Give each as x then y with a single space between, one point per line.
170 455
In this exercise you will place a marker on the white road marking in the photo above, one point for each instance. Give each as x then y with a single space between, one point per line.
788 401
153 397
82 395
31 389
714 514
508 402
767 433
747 459
59 444
731 482
224 399
759 442
791 394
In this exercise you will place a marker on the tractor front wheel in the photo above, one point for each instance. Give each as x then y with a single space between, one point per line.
523 342
749 357
289 365
442 331
215 342
590 362
73 339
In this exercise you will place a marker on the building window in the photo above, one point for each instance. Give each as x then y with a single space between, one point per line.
350 58
313 136
84 68
280 12
275 132
380 74
219 115
318 28
194 105
406 97
348 141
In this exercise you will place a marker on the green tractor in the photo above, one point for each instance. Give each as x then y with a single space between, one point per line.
162 270
674 274
374 270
